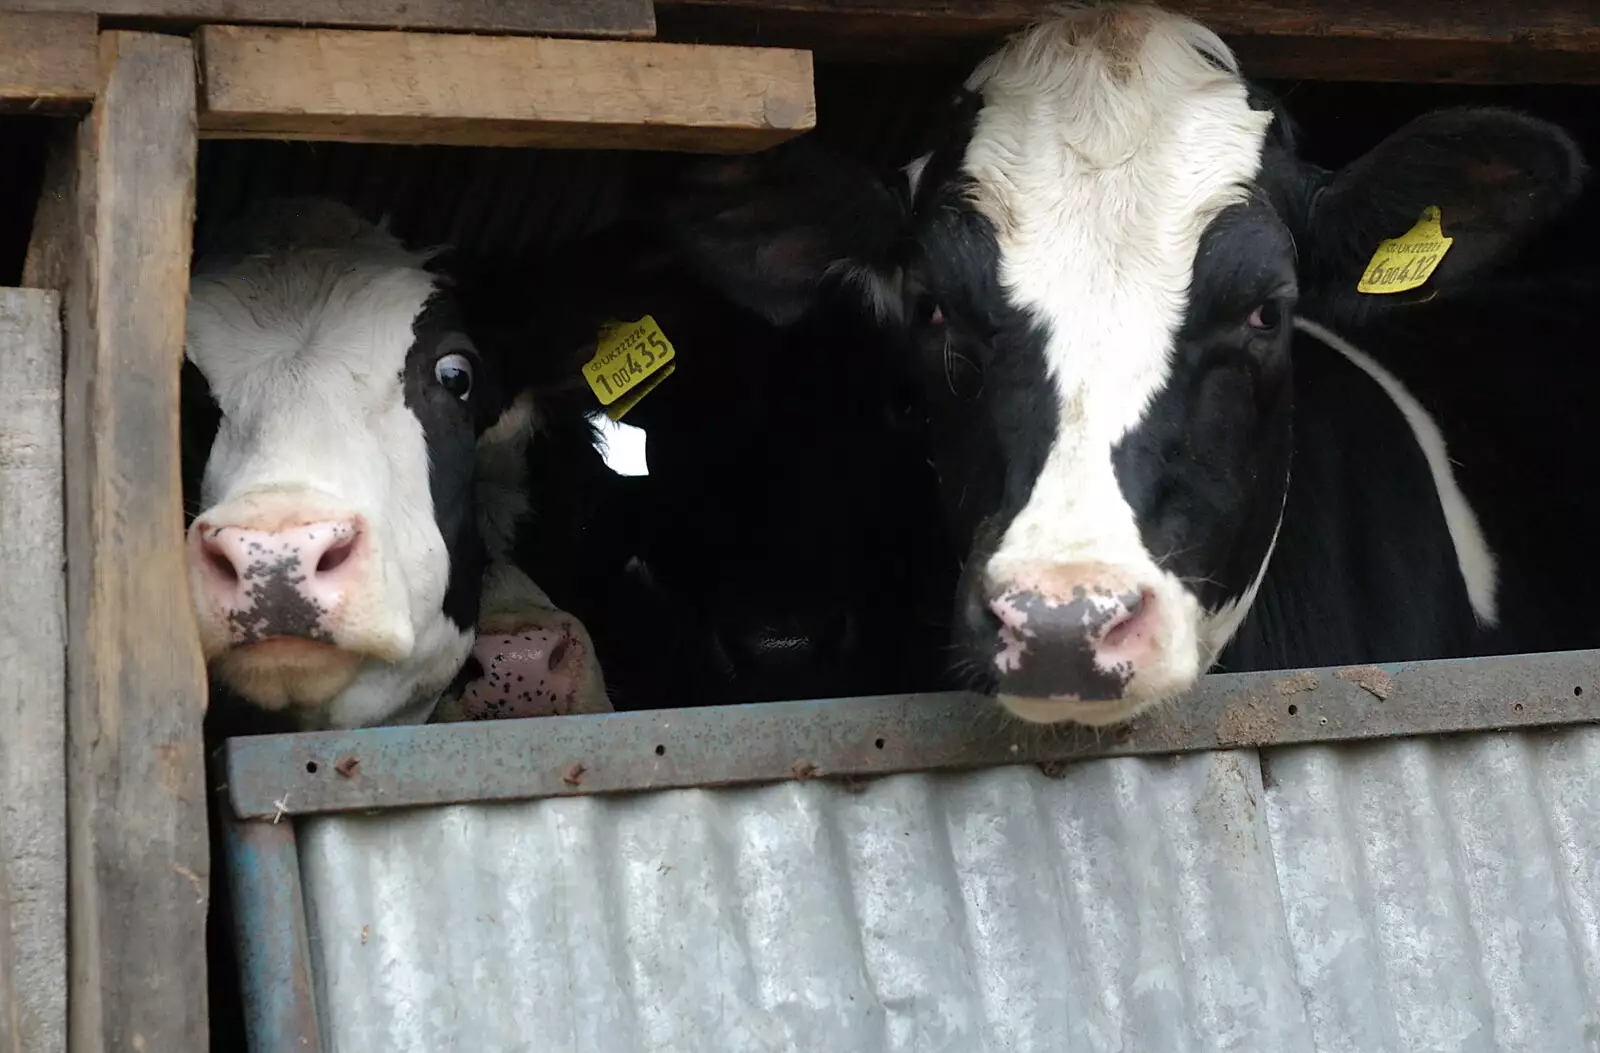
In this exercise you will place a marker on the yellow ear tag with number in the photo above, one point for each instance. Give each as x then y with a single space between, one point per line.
1403 263
625 356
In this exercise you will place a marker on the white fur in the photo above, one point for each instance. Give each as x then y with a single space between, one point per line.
1108 141
500 476
1479 569
303 347
1222 623
623 446
913 173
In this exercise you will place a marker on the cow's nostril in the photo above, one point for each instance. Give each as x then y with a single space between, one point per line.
336 554
217 558
1128 622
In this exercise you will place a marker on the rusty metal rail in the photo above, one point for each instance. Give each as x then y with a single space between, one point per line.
270 777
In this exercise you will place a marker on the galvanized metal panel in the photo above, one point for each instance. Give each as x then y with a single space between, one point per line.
1444 894
1000 910
1403 896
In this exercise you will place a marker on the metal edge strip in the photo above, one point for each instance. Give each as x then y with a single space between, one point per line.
273 776
271 935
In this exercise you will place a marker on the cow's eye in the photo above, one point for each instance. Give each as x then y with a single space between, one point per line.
454 374
1266 317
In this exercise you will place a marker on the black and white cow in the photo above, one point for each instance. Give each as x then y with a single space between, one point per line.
1135 310
785 541
337 404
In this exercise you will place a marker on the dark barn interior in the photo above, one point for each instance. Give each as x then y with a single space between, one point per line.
502 205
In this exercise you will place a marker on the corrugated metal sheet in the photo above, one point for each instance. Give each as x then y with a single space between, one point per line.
1419 895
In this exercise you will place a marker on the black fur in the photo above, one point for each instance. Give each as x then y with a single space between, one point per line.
786 541
451 428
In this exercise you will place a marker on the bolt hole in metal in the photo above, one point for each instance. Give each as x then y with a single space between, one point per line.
661 751
311 767
1577 692
1293 710
878 743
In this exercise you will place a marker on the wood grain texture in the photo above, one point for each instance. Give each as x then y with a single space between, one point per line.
499 91
136 688
54 238
33 614
1466 41
47 62
597 18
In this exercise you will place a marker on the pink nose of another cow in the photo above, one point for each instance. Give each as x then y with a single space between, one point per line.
284 582
533 673
1072 632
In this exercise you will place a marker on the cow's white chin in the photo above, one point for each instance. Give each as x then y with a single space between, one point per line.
1063 711
325 687
286 673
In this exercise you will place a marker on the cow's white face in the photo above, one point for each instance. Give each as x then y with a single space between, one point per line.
334 560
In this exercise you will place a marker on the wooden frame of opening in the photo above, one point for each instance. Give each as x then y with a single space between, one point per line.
146 79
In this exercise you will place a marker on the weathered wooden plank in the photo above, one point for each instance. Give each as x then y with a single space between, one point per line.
136 689
593 18
47 62
33 613
1414 61
499 91
54 234
1481 41
1549 22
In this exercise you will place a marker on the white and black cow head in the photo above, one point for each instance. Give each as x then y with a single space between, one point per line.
1097 270
336 403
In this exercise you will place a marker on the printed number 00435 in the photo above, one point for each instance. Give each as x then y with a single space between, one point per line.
652 348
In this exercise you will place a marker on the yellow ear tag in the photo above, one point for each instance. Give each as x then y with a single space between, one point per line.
625 356
1403 263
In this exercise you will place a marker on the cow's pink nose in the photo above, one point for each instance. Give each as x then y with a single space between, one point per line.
1073 632
284 582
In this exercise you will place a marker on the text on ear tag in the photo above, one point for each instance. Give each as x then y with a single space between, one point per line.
624 357
1403 263
616 410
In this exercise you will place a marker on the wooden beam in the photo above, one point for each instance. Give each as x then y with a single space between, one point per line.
48 63
590 18
115 231
1467 41
33 637
499 91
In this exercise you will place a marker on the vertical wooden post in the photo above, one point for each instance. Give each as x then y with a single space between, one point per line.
115 231
33 800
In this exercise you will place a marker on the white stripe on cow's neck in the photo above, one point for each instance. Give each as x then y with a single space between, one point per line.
1218 626
1476 560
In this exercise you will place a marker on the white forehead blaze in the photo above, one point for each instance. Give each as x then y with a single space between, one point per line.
305 356
1107 142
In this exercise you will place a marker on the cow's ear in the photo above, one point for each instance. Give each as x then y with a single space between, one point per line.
770 230
1497 177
